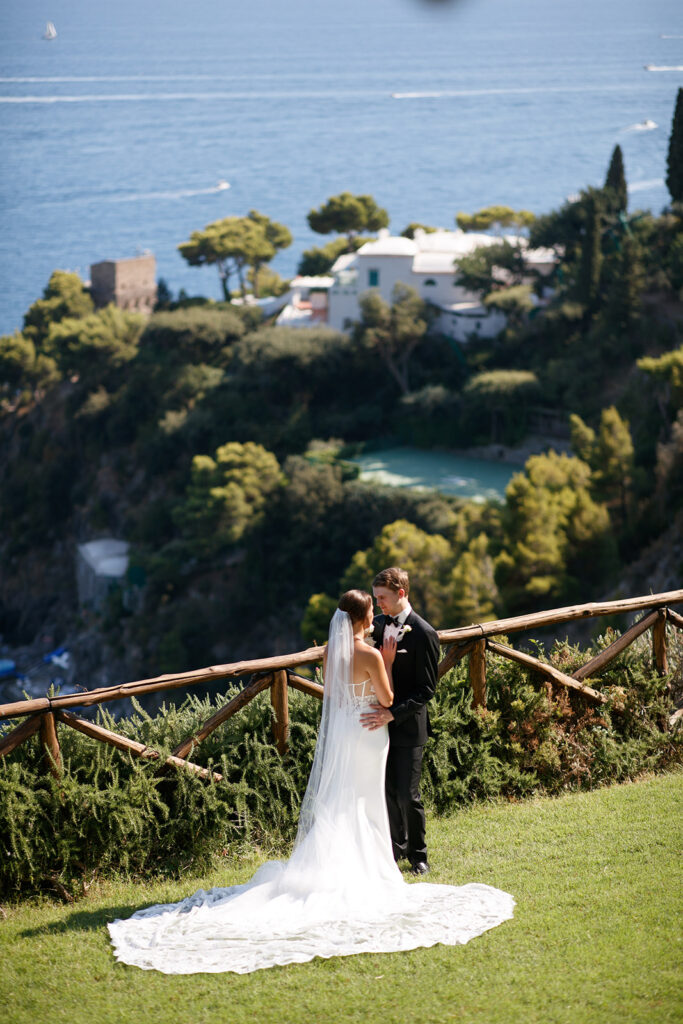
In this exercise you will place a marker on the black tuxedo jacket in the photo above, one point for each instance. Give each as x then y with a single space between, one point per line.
415 674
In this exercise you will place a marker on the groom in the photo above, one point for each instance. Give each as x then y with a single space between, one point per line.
414 676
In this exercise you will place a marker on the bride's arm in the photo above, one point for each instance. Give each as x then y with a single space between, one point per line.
380 674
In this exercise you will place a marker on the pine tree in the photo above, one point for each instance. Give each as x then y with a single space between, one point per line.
615 183
582 438
614 457
475 594
674 160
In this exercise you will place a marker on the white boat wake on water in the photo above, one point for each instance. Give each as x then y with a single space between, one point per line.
133 197
645 186
663 67
503 91
307 94
184 193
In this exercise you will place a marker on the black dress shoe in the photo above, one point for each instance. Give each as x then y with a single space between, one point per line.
421 867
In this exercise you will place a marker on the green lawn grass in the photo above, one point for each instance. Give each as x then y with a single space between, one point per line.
596 936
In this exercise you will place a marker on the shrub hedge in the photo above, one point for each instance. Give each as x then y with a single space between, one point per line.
112 813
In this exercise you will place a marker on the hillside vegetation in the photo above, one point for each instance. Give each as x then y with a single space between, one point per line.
214 442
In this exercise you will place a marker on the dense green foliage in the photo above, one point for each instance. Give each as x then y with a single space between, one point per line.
109 425
110 812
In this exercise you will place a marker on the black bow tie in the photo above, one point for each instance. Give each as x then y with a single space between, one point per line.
392 620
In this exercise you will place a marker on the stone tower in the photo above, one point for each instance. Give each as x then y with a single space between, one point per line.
129 284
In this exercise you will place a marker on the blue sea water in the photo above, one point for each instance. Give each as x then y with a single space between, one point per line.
461 476
116 133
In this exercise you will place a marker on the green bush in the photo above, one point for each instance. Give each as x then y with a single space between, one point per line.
110 812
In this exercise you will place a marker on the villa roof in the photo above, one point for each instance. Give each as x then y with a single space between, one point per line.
343 261
317 281
434 263
436 252
389 245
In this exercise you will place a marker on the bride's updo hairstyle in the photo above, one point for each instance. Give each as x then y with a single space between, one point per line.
356 603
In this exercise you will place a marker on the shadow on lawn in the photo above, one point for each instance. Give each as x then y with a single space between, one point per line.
85 920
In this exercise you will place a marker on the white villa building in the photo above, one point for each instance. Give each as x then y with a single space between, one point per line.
428 264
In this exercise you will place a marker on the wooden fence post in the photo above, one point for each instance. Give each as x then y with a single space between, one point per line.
659 643
48 736
477 667
278 698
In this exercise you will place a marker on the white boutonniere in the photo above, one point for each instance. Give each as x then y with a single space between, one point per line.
400 633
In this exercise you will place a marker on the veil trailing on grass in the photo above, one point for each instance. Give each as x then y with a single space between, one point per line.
340 892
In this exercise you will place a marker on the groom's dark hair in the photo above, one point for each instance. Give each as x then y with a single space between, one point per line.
393 579
356 603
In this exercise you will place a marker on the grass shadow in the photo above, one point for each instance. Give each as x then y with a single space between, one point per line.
85 920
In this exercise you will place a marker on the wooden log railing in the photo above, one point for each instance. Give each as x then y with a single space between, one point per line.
277 675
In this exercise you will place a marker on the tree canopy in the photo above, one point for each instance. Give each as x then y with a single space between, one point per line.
235 243
503 393
668 368
349 215
490 267
410 229
494 218
553 526
515 302
395 330
95 344
427 558
320 259
64 296
609 453
226 495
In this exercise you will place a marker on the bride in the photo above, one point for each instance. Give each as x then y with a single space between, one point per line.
341 891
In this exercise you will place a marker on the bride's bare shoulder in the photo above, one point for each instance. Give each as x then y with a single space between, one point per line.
367 655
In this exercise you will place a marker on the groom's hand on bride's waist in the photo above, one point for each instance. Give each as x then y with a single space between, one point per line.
375 717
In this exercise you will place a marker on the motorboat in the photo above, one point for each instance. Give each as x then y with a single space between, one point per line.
643 126
222 185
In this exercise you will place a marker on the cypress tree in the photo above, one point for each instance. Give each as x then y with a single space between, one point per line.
674 160
590 267
624 294
615 183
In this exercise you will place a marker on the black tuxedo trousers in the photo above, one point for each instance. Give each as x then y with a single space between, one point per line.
414 674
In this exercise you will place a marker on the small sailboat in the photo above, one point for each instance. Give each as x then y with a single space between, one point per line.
50 31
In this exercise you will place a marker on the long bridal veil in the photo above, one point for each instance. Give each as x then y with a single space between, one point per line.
340 892
329 783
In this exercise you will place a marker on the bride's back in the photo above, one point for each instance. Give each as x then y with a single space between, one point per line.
368 674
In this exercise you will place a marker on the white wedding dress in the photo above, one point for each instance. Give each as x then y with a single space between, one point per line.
340 892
